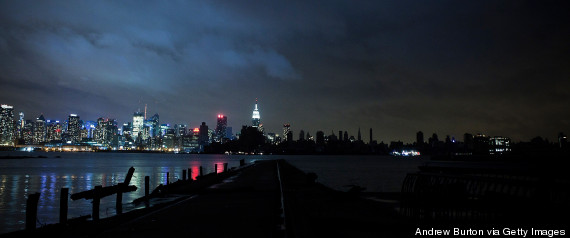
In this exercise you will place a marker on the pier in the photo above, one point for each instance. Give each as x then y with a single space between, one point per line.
272 198
264 199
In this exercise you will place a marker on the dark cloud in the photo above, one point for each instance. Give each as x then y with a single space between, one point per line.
395 66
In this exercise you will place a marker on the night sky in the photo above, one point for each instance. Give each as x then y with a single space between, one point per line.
445 67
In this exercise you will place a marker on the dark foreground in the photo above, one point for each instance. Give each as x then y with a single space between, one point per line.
246 203
249 202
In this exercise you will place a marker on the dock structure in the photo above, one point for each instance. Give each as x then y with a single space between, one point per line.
266 199
272 198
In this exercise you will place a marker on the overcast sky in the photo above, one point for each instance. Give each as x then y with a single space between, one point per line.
445 67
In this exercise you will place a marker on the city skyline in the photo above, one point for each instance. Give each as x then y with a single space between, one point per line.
219 128
498 68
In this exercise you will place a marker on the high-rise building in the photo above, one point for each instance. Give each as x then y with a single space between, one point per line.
419 138
39 130
256 118
320 138
28 132
138 124
90 127
499 145
7 125
203 138
20 126
180 130
340 135
370 136
359 135
286 130
229 133
106 131
345 136
221 127
74 128
53 131
154 125
302 135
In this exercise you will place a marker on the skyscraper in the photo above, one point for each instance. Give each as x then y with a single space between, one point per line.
203 138
370 136
53 131
419 138
153 122
74 128
359 135
256 118
7 125
221 127
286 130
40 130
138 123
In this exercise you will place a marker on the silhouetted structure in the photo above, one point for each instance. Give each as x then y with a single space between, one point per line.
370 136
419 138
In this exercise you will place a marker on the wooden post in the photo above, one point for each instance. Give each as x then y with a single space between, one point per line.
201 171
146 188
183 175
167 178
215 168
129 176
63 198
96 202
119 201
32 211
225 167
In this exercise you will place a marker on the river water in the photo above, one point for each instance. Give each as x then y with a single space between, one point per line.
82 171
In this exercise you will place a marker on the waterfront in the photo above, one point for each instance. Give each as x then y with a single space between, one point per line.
83 171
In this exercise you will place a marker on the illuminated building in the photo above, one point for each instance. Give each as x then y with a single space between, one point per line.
163 128
28 132
255 118
106 131
7 125
180 129
221 126
286 130
154 125
20 126
90 127
499 145
128 131
39 130
54 131
74 128
138 123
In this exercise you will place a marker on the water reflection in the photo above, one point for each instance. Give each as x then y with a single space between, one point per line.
81 172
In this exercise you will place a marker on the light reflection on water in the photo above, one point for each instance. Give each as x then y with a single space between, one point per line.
82 171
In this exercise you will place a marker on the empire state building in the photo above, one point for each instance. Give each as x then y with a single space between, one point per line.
255 118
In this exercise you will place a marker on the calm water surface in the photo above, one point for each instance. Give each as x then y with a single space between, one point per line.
83 171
